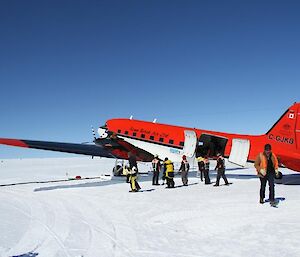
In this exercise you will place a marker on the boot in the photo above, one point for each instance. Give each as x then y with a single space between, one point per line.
261 200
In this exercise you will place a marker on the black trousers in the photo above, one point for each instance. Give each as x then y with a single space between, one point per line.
263 182
163 177
170 182
155 178
201 174
221 173
206 177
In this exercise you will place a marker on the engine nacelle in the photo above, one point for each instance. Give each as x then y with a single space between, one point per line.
102 133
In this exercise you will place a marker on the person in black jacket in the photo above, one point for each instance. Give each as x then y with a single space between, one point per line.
184 168
221 170
156 170
206 171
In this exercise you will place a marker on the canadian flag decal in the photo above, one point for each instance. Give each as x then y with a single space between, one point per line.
291 115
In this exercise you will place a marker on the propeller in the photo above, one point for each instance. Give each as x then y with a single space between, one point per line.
93 131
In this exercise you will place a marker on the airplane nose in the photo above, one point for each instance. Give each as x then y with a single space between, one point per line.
102 132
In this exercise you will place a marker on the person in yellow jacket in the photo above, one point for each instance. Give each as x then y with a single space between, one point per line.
133 173
201 166
266 165
169 169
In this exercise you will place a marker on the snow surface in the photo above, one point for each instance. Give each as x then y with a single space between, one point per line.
99 217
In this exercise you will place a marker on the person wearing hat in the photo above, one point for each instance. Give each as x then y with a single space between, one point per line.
206 171
184 168
266 165
221 170
156 170
169 169
201 166
133 173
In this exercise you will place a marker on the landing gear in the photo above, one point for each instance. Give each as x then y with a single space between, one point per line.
118 169
279 175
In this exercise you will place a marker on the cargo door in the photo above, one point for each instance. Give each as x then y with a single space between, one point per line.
239 151
190 142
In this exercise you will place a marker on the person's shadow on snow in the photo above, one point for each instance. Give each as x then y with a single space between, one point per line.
277 200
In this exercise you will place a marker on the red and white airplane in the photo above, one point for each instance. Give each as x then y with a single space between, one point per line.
145 139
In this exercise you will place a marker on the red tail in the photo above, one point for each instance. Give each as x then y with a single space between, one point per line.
287 129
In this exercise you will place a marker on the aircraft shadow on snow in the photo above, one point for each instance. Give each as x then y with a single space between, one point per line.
115 180
81 185
291 179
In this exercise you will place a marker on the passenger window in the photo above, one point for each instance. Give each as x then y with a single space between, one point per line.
152 137
142 135
161 139
171 141
126 132
181 143
134 134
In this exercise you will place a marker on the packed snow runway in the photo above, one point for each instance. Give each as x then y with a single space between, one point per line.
99 217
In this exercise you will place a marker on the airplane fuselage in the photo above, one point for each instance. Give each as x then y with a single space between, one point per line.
170 141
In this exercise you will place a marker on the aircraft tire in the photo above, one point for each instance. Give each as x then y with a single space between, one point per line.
117 170
279 175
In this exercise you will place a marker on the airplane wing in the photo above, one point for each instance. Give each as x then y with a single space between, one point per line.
107 147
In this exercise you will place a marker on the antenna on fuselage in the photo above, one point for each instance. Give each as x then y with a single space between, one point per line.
154 121
131 117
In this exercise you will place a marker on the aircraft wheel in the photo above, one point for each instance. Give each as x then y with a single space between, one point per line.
117 170
279 175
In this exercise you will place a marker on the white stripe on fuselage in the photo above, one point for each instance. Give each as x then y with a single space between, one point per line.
162 151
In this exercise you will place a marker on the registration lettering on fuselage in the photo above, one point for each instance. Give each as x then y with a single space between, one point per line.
281 139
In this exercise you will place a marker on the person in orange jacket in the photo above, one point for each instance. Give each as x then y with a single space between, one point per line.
266 165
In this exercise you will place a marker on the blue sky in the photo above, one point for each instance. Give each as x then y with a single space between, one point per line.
229 66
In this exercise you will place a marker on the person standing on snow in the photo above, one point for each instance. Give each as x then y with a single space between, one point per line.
156 170
201 166
266 165
221 170
169 170
206 171
184 168
133 172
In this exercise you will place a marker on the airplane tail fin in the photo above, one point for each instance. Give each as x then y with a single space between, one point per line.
287 128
